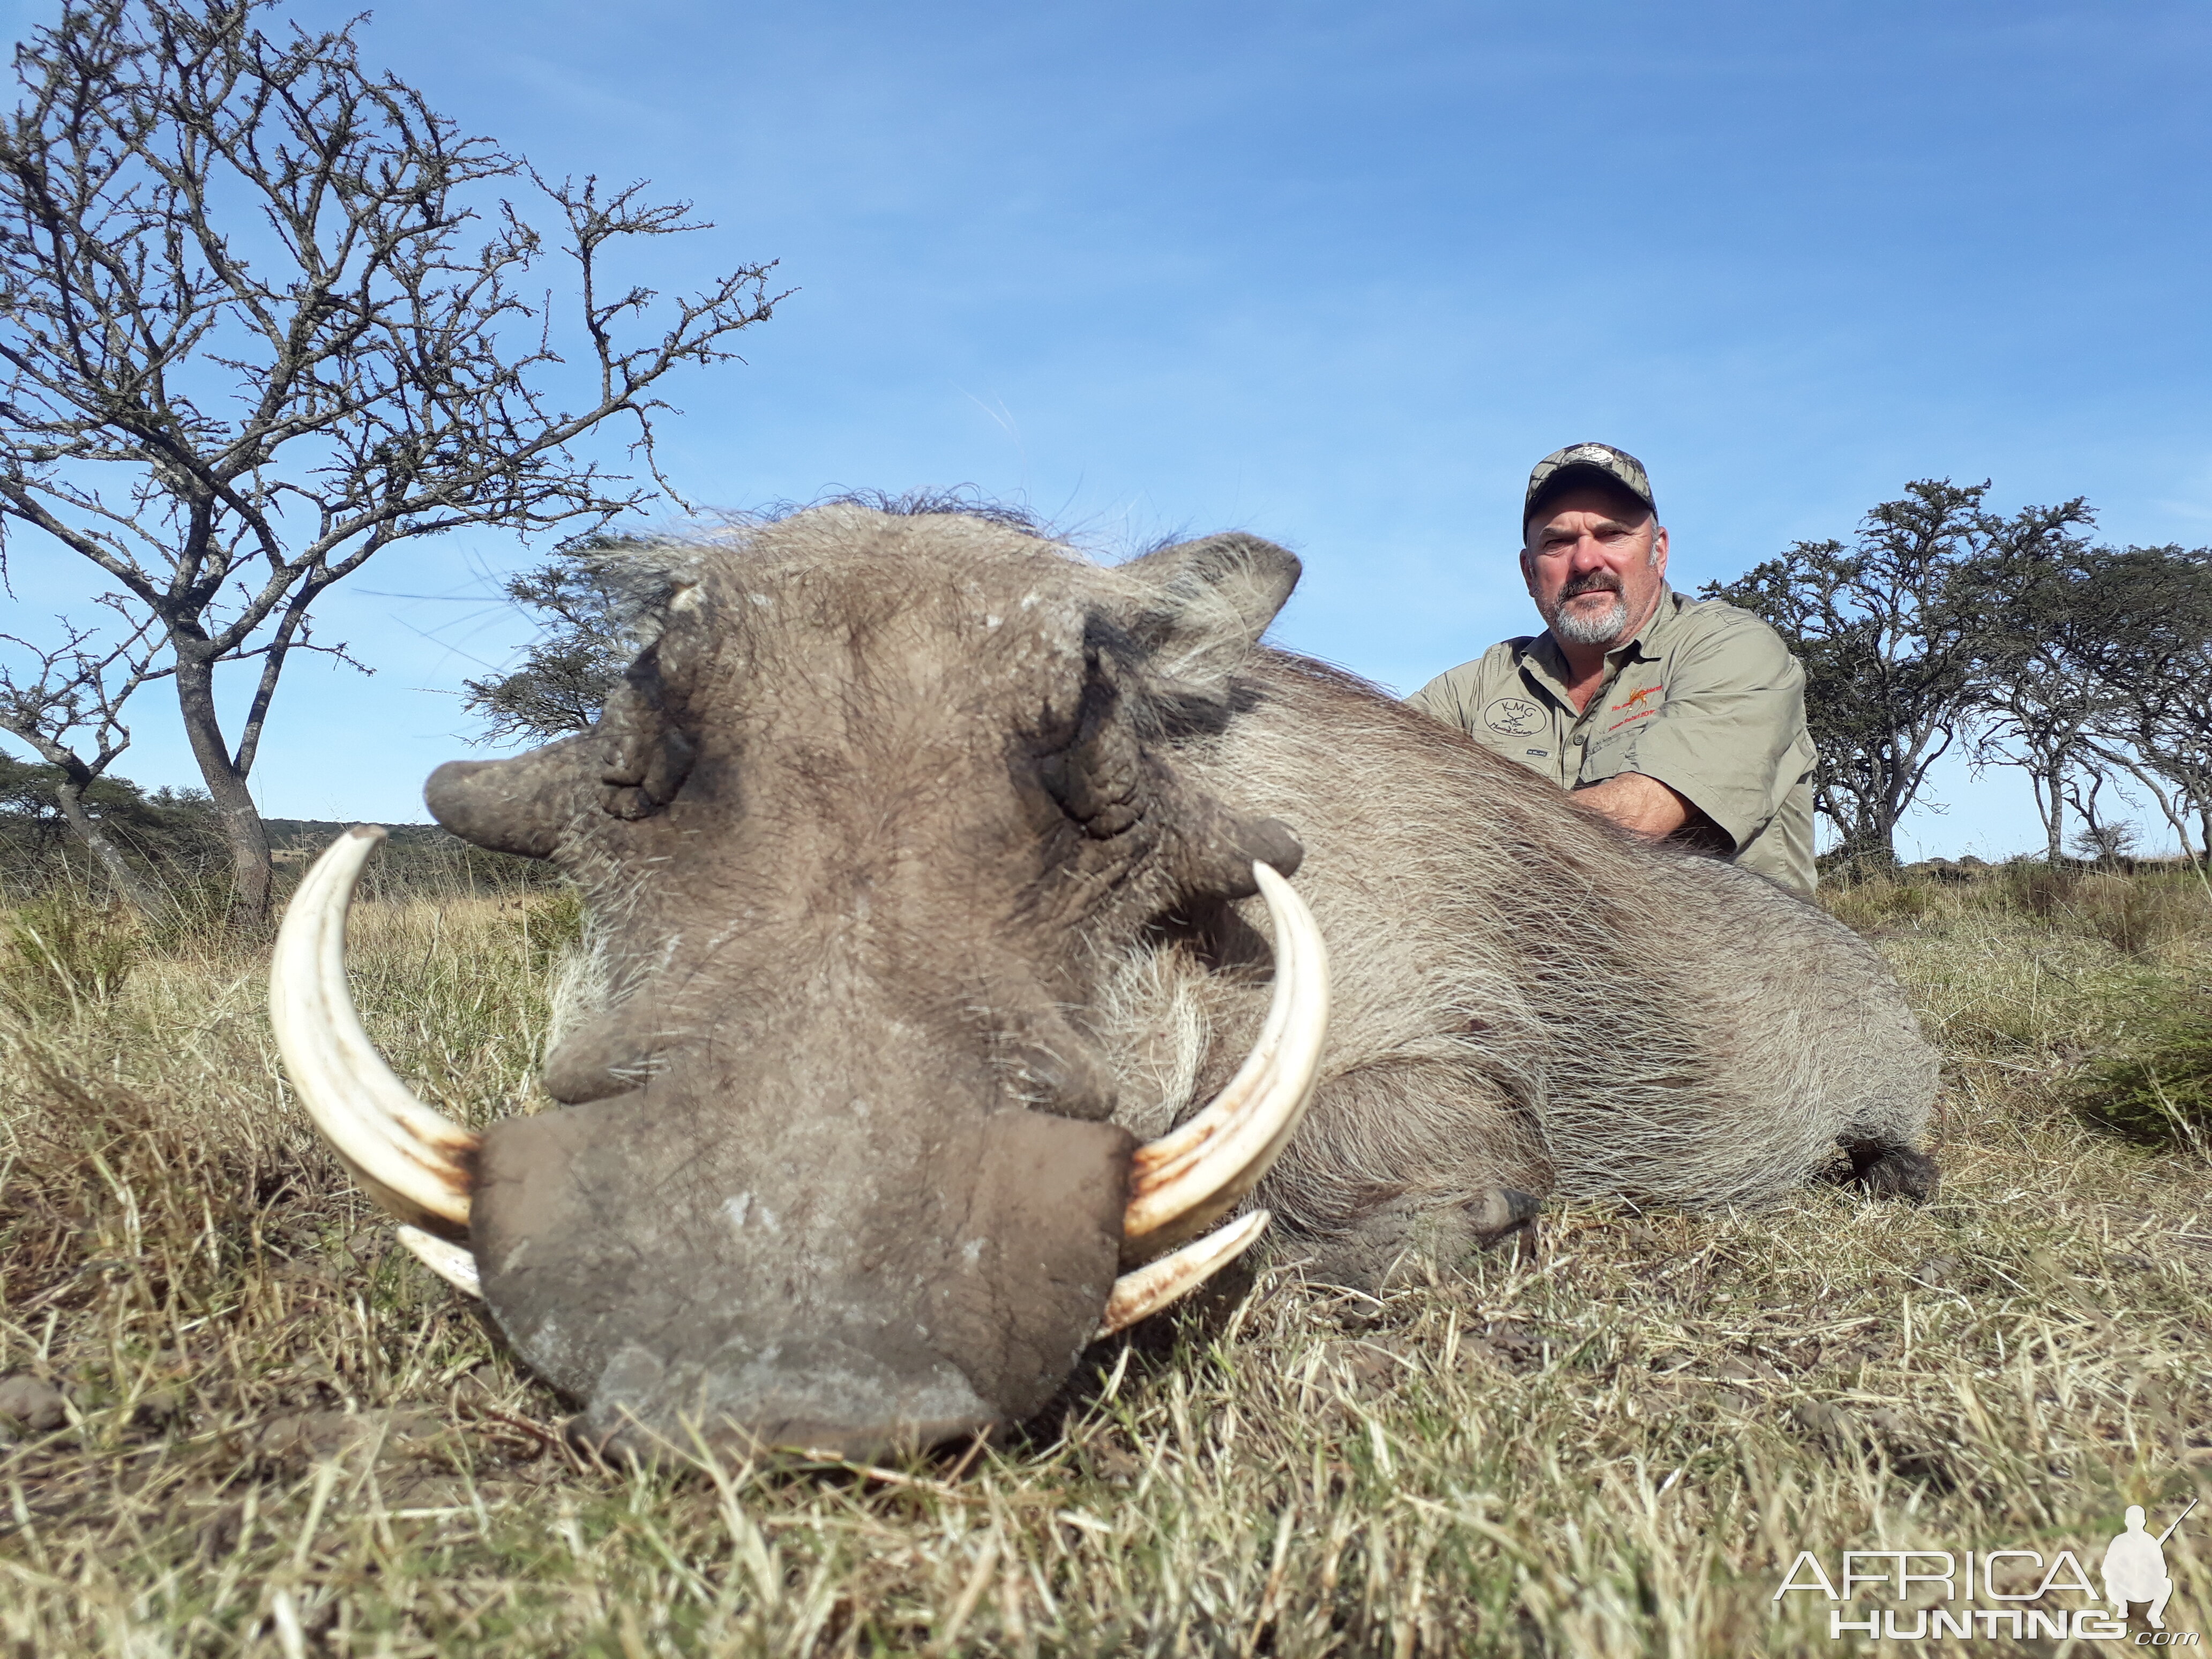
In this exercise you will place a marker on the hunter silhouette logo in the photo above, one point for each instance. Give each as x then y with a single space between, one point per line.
2135 1567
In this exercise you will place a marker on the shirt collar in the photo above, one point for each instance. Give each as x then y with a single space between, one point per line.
1642 646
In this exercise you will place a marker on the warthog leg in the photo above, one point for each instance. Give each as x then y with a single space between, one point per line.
1372 1251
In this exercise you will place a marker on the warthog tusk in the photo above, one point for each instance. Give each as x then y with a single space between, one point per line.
1148 1289
1188 1179
450 1262
414 1161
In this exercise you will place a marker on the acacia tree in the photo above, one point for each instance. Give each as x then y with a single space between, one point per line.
171 832
1887 649
2055 621
2156 726
583 646
261 316
76 687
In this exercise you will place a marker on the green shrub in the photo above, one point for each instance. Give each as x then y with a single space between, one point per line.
56 953
1884 906
2161 1094
2045 891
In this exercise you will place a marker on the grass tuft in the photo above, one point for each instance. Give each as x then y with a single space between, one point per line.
282 1436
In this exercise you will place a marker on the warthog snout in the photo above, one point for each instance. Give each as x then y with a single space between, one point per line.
712 1278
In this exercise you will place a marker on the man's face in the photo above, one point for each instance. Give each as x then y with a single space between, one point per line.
1596 563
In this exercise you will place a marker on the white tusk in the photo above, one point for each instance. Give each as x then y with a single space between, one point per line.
1148 1289
413 1161
450 1262
1193 1174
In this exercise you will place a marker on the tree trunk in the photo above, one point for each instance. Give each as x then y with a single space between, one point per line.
147 900
1865 827
1877 838
2047 789
1866 853
242 828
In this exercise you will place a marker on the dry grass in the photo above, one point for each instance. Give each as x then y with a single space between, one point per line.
284 1437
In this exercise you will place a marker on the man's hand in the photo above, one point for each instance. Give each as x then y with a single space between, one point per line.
1644 805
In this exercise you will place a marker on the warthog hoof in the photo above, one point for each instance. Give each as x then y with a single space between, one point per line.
1893 1171
1501 1213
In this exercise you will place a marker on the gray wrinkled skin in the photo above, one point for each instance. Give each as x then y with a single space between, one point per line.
918 855
1524 996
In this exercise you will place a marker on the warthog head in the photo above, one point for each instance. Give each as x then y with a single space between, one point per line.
862 832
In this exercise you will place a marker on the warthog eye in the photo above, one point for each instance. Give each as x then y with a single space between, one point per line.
1098 775
648 752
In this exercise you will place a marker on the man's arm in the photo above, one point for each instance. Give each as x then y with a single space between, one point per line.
1726 742
1644 805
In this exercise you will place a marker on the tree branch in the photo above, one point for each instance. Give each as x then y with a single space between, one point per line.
187 204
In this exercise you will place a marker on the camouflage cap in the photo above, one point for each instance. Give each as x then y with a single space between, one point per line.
1558 471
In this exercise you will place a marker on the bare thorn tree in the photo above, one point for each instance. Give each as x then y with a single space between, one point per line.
261 316
79 687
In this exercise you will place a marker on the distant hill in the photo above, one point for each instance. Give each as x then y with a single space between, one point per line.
313 835
414 855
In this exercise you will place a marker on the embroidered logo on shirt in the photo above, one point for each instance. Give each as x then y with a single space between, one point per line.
1635 698
1514 717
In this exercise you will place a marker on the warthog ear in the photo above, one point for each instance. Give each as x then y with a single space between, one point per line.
1200 606
638 755
519 805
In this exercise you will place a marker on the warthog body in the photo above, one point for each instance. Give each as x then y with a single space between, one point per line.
919 855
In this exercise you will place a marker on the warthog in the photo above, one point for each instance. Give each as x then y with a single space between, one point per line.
921 858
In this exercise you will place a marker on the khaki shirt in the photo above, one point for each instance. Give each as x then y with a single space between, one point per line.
1706 698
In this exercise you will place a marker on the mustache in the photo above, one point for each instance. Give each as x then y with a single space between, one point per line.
1591 582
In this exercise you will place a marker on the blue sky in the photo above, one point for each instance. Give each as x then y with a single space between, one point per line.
1339 275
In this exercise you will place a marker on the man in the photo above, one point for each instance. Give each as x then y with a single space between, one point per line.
1678 720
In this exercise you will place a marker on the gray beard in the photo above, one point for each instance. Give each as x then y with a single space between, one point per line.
1602 629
